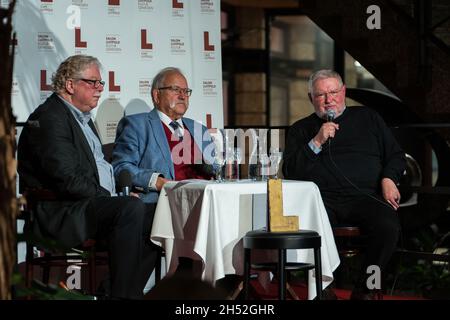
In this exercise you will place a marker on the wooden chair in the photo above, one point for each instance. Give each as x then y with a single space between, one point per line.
84 256
348 241
345 236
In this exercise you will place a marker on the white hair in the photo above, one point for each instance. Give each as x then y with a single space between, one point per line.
323 74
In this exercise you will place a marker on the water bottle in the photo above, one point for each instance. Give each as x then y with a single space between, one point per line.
237 162
229 164
254 167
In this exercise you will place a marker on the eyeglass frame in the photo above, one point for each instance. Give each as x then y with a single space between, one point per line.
186 91
332 94
95 83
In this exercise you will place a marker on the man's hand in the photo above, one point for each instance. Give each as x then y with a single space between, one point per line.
133 194
327 130
390 192
160 183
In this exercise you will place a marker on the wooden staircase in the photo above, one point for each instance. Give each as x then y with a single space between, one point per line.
404 55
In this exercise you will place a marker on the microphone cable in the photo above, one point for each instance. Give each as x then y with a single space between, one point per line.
350 182
400 235
400 260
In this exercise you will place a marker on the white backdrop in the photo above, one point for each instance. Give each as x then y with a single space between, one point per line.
133 39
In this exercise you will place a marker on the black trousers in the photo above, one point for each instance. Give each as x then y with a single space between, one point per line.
125 223
377 219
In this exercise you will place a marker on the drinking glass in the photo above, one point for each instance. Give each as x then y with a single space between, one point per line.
220 161
264 166
275 158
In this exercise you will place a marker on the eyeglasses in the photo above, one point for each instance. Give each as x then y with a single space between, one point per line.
185 91
94 83
332 94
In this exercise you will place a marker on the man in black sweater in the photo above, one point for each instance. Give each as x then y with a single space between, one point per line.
352 156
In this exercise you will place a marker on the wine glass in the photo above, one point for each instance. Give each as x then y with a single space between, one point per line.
275 158
264 161
220 161
238 155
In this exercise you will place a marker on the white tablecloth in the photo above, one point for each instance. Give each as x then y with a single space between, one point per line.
206 220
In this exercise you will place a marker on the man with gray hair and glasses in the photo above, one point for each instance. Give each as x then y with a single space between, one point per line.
60 151
162 144
356 162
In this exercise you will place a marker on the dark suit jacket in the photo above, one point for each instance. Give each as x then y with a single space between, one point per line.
54 154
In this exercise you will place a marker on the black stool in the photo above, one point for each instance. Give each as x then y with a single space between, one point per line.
302 239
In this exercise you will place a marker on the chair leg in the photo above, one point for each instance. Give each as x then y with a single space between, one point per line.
282 274
46 270
158 266
29 266
318 271
379 293
246 273
92 271
236 291
291 292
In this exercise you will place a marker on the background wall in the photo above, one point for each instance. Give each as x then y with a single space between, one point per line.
133 40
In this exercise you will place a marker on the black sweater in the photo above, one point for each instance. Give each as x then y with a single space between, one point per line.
363 149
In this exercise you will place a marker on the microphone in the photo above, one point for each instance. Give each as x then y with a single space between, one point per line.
125 182
330 115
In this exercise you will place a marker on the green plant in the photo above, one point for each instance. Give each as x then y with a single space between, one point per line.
41 291
425 277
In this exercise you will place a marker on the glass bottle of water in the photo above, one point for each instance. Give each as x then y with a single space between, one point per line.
254 166
229 163
237 162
